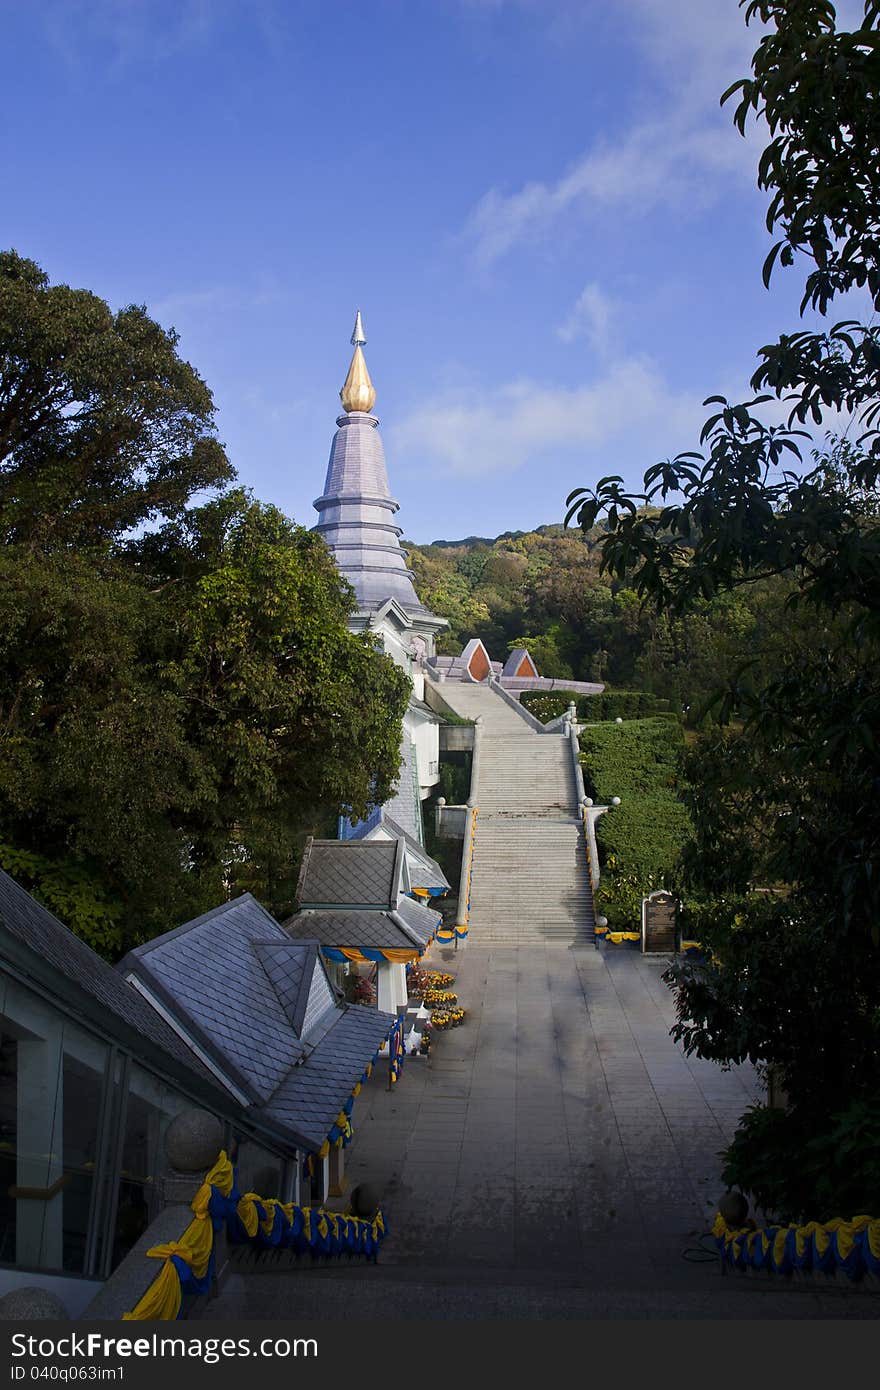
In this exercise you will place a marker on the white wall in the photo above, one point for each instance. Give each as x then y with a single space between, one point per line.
426 737
397 647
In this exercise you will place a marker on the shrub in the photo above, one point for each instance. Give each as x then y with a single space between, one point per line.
800 1166
547 705
623 704
611 704
641 840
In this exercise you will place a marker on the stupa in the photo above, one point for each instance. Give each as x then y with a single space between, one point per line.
356 511
356 518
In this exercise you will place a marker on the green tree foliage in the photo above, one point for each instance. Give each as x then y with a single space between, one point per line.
795 982
548 595
102 425
641 839
836 1169
178 708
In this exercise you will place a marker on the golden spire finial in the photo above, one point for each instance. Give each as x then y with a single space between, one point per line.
358 392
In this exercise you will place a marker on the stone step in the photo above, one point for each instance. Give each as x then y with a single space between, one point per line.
573 861
566 904
566 908
539 924
530 785
529 854
564 824
485 933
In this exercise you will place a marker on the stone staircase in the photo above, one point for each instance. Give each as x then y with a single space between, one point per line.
529 878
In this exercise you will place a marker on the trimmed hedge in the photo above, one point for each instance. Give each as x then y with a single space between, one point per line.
639 841
547 706
611 704
622 704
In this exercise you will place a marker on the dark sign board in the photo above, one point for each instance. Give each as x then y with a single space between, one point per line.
658 923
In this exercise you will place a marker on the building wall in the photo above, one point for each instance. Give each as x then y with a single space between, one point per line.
425 735
397 647
82 1125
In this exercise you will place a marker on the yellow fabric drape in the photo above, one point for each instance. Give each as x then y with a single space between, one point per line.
247 1212
162 1299
397 955
817 1232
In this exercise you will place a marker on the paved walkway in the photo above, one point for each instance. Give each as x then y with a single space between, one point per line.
554 1157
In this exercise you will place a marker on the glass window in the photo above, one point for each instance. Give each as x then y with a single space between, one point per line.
83 1068
51 1090
150 1108
8 1113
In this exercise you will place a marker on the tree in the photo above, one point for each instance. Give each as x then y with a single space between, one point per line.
795 978
178 707
297 717
102 425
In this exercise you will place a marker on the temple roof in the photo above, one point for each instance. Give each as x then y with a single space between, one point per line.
261 1006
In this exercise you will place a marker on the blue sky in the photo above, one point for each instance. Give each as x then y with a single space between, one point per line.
550 227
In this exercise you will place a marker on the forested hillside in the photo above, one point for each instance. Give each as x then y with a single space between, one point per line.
543 590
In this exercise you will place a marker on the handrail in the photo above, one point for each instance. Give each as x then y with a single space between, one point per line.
475 760
462 922
853 1246
592 864
533 722
265 1222
580 793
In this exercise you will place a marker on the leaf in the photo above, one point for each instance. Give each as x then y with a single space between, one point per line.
769 262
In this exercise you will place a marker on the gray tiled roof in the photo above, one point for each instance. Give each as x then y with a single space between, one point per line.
311 1096
424 872
403 807
349 873
79 976
209 973
289 969
422 708
421 921
517 656
245 991
353 929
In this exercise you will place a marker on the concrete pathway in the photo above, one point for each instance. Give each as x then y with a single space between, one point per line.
555 1157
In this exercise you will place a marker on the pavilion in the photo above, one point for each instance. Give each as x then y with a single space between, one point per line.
353 900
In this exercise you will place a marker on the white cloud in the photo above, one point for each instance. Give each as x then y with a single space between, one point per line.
683 158
471 434
697 47
590 318
656 163
622 422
